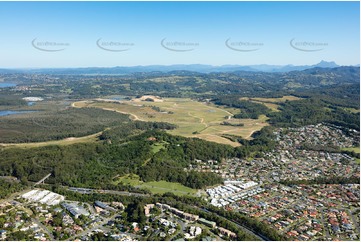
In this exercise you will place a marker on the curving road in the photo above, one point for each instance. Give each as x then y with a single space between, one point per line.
242 227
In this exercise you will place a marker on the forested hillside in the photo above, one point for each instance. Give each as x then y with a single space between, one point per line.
56 125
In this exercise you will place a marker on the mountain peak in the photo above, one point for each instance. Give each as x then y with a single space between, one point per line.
326 64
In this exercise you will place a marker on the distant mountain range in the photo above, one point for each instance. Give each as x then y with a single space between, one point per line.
119 70
287 68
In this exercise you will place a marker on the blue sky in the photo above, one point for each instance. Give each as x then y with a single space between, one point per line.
320 30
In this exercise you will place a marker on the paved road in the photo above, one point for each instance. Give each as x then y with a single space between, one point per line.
93 228
248 230
35 220
91 208
81 190
42 180
356 222
89 190
183 227
13 196
327 232
242 227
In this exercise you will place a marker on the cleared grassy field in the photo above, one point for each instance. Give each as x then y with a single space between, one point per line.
250 125
352 110
277 100
193 118
159 187
271 103
129 179
67 141
354 149
272 106
156 147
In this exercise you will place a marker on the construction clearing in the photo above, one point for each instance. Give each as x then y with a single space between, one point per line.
193 118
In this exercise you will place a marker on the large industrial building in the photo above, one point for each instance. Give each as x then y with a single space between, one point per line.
75 209
43 196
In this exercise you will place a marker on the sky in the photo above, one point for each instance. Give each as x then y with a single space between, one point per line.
107 34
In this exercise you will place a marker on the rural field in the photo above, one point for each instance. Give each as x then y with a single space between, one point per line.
193 118
277 100
159 187
67 141
271 103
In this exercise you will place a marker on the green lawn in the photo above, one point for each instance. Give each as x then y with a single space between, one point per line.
130 179
164 186
354 149
156 147
156 186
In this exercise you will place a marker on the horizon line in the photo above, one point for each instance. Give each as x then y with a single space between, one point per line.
169 65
